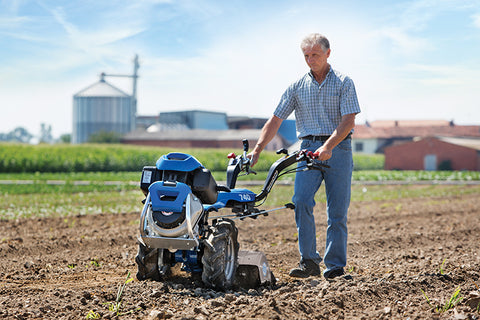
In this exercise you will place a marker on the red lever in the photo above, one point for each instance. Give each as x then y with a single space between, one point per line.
315 155
231 156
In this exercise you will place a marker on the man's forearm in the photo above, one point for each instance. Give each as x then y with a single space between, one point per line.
269 131
343 129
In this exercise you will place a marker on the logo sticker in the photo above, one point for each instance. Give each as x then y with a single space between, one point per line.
147 177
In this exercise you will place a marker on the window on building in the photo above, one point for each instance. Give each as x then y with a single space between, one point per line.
358 146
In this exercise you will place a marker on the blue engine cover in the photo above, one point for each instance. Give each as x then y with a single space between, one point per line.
168 197
178 162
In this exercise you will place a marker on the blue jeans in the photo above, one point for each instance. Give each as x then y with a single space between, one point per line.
338 180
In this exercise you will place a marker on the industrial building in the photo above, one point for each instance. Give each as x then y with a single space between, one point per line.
207 129
195 119
200 138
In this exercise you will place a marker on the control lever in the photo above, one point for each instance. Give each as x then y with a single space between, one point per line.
245 145
312 155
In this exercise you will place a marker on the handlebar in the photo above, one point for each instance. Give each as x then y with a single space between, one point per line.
280 166
237 164
241 163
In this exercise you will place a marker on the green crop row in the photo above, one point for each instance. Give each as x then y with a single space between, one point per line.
368 162
415 176
72 183
27 205
17 158
97 158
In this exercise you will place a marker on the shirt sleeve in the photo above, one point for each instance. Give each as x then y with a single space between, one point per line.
287 103
348 98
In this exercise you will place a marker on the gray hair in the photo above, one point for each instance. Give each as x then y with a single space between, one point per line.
315 39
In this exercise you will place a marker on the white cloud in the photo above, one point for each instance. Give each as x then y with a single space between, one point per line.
403 42
90 41
8 22
476 20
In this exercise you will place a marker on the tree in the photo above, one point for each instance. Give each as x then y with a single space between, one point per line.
66 138
105 137
45 134
18 134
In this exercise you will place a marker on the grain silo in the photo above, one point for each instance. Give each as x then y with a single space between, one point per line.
102 107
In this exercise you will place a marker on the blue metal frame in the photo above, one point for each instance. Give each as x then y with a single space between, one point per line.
237 195
190 260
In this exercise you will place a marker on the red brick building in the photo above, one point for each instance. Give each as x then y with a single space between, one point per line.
433 154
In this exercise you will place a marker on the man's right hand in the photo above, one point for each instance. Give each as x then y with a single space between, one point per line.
253 156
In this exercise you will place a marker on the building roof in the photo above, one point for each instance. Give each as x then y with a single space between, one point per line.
408 123
101 89
194 134
473 143
401 131
192 111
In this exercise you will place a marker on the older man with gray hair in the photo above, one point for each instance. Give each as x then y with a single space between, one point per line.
325 104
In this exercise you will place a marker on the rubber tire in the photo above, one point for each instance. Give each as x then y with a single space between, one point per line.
220 261
147 264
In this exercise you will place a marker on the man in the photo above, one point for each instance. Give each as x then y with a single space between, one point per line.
325 105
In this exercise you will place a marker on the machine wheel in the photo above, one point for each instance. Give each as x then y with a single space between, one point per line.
220 256
152 263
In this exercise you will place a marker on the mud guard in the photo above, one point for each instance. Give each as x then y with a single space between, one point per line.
253 270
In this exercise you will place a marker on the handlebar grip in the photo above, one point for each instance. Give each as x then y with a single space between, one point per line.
245 145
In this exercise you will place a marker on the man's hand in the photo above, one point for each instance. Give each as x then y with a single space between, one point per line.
253 156
343 129
323 153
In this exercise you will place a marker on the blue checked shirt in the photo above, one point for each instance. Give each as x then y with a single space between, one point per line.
318 107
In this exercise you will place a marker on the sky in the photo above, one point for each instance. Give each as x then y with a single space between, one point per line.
408 59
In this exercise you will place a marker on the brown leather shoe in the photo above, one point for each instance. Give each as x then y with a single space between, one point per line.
305 269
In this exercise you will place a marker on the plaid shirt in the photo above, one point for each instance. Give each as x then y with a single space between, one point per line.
319 107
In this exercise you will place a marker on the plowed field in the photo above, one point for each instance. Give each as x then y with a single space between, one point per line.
407 259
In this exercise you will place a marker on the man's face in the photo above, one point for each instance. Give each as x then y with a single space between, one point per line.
316 58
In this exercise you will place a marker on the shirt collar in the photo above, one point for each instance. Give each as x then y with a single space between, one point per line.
310 73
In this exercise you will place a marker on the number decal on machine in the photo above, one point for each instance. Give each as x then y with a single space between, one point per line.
245 197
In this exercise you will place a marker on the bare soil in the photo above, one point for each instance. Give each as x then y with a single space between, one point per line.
71 268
